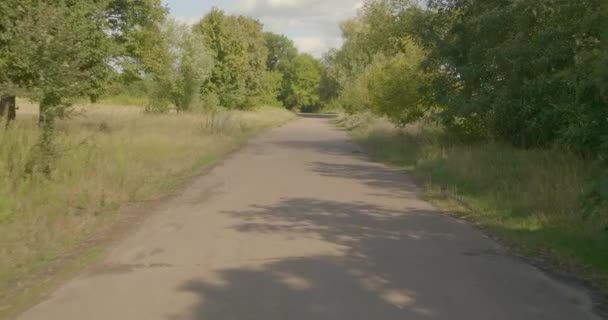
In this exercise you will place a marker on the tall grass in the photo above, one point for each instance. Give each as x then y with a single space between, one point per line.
529 198
125 100
107 156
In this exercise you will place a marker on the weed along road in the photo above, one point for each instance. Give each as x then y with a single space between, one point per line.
300 225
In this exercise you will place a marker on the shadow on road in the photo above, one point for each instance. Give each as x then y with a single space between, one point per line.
393 263
364 283
384 179
318 115
396 265
333 147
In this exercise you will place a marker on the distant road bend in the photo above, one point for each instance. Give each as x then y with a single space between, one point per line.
299 226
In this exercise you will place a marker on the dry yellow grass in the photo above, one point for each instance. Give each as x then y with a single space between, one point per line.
107 156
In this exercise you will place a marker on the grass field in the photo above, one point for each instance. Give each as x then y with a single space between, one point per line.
531 199
107 157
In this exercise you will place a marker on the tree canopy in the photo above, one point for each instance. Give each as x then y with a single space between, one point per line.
527 72
302 79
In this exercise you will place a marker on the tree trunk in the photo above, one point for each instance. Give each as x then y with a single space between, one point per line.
8 106
46 121
2 107
11 105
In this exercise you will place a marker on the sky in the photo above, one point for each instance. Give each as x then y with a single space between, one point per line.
313 25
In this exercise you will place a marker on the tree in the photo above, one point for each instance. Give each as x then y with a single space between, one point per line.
394 86
521 71
237 45
226 80
303 80
130 26
256 54
281 54
329 85
281 51
189 65
378 67
61 52
8 106
9 78
136 32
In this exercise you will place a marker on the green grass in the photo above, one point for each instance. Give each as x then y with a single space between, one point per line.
107 157
530 199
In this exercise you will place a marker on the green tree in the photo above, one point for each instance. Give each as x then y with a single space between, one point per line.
281 51
281 54
130 39
135 28
378 67
10 79
256 54
59 51
521 71
303 79
329 84
189 64
394 86
237 45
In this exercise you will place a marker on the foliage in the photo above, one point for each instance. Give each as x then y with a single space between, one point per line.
522 83
528 198
238 48
190 64
527 72
93 36
136 31
281 51
59 50
391 87
302 78
281 55
378 66
522 71
268 93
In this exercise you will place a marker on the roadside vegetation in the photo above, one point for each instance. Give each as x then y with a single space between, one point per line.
108 104
530 199
112 156
499 108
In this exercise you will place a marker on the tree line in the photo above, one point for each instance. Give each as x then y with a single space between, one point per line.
55 52
530 73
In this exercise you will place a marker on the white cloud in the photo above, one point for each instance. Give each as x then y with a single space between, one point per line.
187 20
312 24
309 44
316 45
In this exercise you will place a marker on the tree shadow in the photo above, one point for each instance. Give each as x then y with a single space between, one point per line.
394 264
297 289
391 180
339 147
387 261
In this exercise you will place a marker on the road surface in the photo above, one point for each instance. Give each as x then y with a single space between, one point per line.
299 225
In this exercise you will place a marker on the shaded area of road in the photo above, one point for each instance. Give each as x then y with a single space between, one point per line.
300 225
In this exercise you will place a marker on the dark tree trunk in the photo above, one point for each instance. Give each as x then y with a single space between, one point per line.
46 121
8 106
2 107
12 109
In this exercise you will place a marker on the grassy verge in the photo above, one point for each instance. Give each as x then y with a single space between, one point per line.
530 199
107 157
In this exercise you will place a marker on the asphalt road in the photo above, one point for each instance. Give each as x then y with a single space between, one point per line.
299 225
